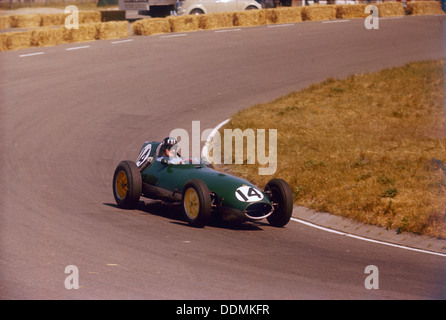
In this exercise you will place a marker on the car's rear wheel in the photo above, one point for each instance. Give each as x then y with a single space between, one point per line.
281 197
127 185
196 12
196 203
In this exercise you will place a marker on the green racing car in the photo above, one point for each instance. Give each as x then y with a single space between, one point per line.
160 173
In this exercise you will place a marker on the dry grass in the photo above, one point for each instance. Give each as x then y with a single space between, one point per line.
370 147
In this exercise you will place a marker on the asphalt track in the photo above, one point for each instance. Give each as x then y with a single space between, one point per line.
68 116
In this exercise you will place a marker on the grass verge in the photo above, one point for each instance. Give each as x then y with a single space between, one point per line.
371 147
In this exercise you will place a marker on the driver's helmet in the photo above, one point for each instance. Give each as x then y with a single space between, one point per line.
168 143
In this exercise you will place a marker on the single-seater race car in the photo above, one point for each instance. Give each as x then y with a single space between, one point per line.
160 173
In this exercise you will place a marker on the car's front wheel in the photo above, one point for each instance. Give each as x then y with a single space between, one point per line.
127 184
196 203
281 197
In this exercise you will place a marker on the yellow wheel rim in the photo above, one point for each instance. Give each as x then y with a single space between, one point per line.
121 185
191 203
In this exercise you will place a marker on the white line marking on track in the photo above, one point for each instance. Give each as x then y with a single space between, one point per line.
174 35
205 150
122 41
280 25
31 54
227 30
366 239
335 21
77 48
390 18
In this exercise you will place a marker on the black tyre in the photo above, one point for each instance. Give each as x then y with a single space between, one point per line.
196 203
196 12
127 185
281 197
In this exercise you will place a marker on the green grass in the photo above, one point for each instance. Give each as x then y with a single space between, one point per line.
370 147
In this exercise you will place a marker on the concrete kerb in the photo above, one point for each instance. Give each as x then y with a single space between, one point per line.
365 232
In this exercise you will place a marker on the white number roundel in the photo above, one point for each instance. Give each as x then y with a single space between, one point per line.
248 194
143 155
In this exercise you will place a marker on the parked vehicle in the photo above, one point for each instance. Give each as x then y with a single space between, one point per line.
212 6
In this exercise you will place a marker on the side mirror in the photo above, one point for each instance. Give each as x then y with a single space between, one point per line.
164 161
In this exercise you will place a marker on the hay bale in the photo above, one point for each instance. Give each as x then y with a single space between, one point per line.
89 16
219 20
424 7
25 20
53 19
18 40
46 36
113 30
351 11
249 18
5 22
3 41
390 9
145 27
184 23
319 13
86 32
288 15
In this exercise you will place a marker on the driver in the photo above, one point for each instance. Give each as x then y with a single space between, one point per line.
169 149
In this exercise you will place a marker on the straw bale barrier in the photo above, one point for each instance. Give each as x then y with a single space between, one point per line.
250 18
319 13
219 20
184 23
18 40
49 36
112 30
25 20
3 41
146 27
89 16
5 22
424 7
390 9
46 36
45 20
53 19
350 11
86 32
288 15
